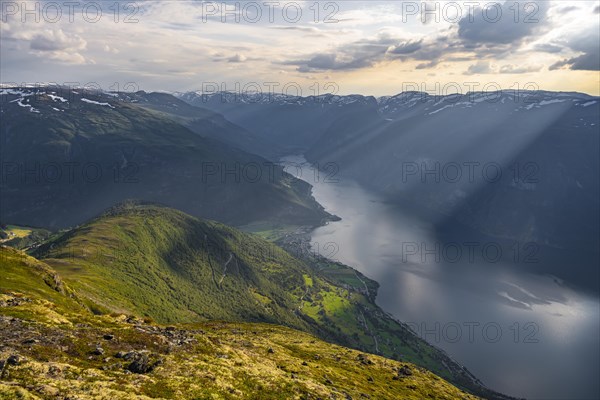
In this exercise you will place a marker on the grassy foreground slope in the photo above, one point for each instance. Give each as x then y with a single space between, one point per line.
52 347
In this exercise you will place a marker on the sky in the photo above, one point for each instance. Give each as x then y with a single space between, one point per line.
304 47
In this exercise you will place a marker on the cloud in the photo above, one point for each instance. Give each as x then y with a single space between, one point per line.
427 65
496 26
547 48
481 67
55 40
587 44
567 9
485 67
366 53
306 29
238 58
523 69
584 62
372 38
109 49
407 47
57 45
354 55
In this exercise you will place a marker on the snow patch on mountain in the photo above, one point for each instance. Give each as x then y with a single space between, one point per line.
95 102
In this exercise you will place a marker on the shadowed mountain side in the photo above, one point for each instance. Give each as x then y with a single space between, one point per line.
65 160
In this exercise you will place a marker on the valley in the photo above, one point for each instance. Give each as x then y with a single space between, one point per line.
333 249
300 200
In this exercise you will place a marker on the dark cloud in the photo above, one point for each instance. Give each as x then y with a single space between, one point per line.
589 60
359 54
498 26
427 65
406 47
367 52
584 62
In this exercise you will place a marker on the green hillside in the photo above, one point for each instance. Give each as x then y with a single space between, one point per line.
164 265
54 347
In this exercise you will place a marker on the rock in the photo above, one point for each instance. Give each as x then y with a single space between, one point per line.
143 363
98 351
108 337
270 351
305 363
30 341
140 365
48 391
131 355
364 359
13 360
54 370
120 354
404 371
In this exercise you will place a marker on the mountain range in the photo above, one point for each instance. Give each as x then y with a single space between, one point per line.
105 287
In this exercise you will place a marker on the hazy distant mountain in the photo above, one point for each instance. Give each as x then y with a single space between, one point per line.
68 154
285 124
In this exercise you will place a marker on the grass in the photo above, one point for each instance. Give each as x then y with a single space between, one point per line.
197 361
18 231
167 266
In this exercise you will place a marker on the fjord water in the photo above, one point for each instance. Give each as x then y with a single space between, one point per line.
523 334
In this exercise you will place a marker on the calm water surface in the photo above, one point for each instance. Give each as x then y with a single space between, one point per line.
522 334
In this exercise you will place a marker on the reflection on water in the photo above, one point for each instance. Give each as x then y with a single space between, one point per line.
521 334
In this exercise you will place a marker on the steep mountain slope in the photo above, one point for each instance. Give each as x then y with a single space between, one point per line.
199 120
68 154
162 264
53 347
